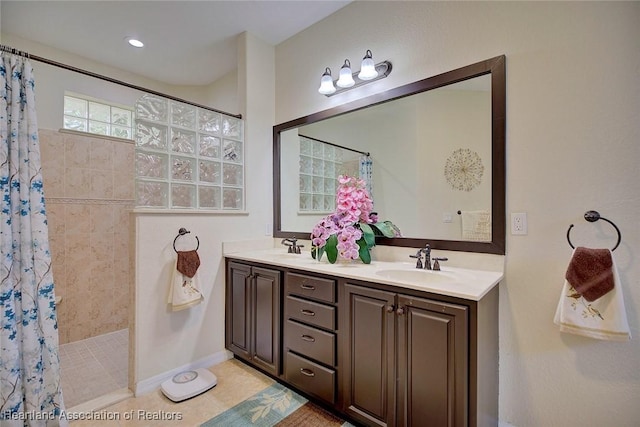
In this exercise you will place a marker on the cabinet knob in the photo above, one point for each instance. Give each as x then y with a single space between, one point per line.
307 372
308 338
400 311
390 309
308 312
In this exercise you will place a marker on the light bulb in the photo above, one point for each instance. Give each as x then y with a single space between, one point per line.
135 43
368 68
346 76
326 83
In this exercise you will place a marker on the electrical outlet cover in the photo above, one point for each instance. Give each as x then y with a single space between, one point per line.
519 223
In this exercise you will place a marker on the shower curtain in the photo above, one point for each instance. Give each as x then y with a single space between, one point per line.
30 393
366 173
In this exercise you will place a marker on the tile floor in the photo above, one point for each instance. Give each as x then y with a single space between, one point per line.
236 382
93 367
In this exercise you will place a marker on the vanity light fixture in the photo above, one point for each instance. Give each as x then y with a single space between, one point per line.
367 68
369 72
346 75
326 83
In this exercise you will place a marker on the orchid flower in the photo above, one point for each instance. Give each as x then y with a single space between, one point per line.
350 231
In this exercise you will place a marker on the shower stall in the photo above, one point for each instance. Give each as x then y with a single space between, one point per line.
89 191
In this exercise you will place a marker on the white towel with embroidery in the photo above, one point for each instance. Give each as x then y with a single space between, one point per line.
476 225
184 291
603 319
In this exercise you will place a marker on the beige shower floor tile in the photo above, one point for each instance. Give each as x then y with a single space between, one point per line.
94 367
236 382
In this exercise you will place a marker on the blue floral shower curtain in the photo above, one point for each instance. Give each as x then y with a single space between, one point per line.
30 392
366 173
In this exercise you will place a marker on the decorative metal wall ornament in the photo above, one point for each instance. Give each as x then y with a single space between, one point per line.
464 169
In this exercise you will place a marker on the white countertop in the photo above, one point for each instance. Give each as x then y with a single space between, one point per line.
457 282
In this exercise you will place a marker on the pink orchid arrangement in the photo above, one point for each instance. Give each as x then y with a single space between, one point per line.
351 230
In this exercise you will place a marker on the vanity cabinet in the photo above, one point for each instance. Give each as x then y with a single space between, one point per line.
253 315
380 354
404 359
310 335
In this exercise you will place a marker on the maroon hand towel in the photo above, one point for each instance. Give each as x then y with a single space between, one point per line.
590 272
188 263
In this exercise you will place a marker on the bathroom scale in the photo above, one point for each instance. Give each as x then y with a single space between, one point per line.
188 384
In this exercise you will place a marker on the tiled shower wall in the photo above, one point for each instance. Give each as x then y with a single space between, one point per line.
89 191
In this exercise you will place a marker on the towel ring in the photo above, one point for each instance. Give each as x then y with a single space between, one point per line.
182 232
593 216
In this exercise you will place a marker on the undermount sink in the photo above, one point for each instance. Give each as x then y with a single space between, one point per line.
285 254
290 256
418 276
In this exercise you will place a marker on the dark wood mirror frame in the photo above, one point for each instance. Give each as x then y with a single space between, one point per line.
495 67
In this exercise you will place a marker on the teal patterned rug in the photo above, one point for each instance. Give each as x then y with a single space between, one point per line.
276 406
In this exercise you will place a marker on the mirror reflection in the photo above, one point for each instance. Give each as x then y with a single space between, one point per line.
429 157
432 151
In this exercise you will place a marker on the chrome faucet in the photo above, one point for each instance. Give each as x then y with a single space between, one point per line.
427 259
418 257
294 248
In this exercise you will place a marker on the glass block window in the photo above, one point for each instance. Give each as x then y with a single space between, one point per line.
85 114
187 157
320 166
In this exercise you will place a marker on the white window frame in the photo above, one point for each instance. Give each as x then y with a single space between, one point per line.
90 103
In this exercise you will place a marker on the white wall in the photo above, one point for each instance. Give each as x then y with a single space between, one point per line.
225 92
573 102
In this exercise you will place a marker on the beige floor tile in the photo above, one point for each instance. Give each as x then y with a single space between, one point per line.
94 423
236 382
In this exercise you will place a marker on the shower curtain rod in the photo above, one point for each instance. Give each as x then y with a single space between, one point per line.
9 49
336 145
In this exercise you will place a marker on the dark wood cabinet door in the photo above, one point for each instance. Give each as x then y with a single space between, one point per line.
432 363
368 355
253 301
238 311
266 319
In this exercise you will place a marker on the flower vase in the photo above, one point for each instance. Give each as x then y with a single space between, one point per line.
348 261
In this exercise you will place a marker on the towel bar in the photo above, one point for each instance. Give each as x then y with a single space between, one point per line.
593 216
182 232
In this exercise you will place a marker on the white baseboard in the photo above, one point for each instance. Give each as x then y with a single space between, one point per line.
150 384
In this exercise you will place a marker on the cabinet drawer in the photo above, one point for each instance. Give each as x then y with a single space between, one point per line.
310 342
310 312
311 377
311 287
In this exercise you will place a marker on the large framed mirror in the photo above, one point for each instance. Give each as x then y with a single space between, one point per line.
435 150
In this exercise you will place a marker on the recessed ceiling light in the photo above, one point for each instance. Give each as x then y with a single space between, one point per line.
135 43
